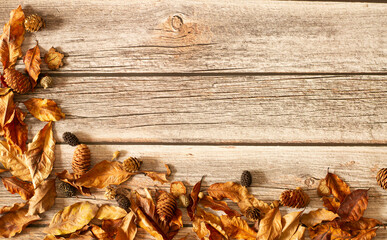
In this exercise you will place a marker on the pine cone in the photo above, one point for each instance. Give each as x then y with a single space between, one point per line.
294 198
246 179
132 164
70 139
382 178
123 202
110 193
166 206
66 189
46 82
34 23
81 160
17 81
253 214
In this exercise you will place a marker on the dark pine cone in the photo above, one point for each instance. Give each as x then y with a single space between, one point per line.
253 214
123 202
246 179
70 139
67 189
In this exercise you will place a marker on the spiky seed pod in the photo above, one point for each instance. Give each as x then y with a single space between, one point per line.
132 164
46 82
81 160
34 23
66 189
246 179
381 177
110 193
70 139
184 200
294 198
17 81
166 206
253 214
123 202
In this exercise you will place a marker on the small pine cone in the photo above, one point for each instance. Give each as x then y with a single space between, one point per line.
17 81
382 178
110 193
66 189
34 23
253 214
184 200
166 206
46 82
132 164
81 160
123 202
70 139
246 179
294 198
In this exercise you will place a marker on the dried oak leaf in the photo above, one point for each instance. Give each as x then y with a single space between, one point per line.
177 189
103 174
290 224
12 38
354 205
236 227
365 234
12 161
70 178
14 222
40 155
191 209
128 228
72 218
270 226
6 107
53 59
16 131
107 211
43 199
331 203
15 185
32 61
13 208
313 218
45 110
156 176
209 202
338 187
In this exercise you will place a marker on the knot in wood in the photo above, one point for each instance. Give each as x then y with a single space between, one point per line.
177 23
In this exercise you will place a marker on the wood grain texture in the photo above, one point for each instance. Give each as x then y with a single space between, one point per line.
220 109
222 36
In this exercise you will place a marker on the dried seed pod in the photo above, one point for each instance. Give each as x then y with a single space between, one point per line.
381 178
294 198
123 202
253 214
46 82
70 139
166 206
201 195
246 179
110 193
184 200
132 164
81 160
34 23
17 81
66 189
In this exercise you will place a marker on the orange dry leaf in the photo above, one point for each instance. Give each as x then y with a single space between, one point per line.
313 218
128 228
15 185
331 203
53 59
16 131
209 202
12 161
111 226
43 199
45 110
238 228
338 187
13 208
70 178
366 234
32 61
6 107
328 232
323 189
191 209
270 226
361 224
14 222
290 224
354 205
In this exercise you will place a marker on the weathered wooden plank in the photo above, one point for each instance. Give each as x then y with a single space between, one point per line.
185 36
220 109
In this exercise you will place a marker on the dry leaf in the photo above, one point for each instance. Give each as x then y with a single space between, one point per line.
7 107
323 189
12 208
12 38
103 174
40 155
72 218
331 203
99 233
361 224
161 177
43 199
177 189
354 205
209 202
236 227
15 185
53 59
128 228
338 187
365 234
148 225
299 234
45 110
328 232
290 223
70 178
12 161
3 170
14 222
214 233
111 226
16 131
270 226
313 218
32 61
191 209
107 211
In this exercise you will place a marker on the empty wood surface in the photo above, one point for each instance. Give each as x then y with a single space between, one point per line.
284 89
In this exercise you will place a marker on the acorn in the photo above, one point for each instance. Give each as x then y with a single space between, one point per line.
34 23
46 82
381 178
17 81
132 164
246 179
166 206
123 202
294 198
70 139
66 189
253 214
81 160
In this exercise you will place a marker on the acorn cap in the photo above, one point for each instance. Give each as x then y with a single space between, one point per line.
294 198
246 179
66 189
381 178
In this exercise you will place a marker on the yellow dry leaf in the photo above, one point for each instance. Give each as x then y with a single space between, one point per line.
270 226
14 222
53 59
299 234
157 176
6 107
32 61
313 218
107 211
236 227
45 110
290 223
12 161
128 228
43 199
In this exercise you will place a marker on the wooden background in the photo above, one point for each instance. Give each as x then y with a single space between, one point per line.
284 89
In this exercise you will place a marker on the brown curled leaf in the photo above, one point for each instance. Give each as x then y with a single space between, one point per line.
313 218
53 59
45 110
191 209
323 189
14 222
15 185
338 187
70 178
128 228
209 202
43 199
354 205
290 224
361 224
16 131
236 227
270 226
32 61
331 203
13 208
7 107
